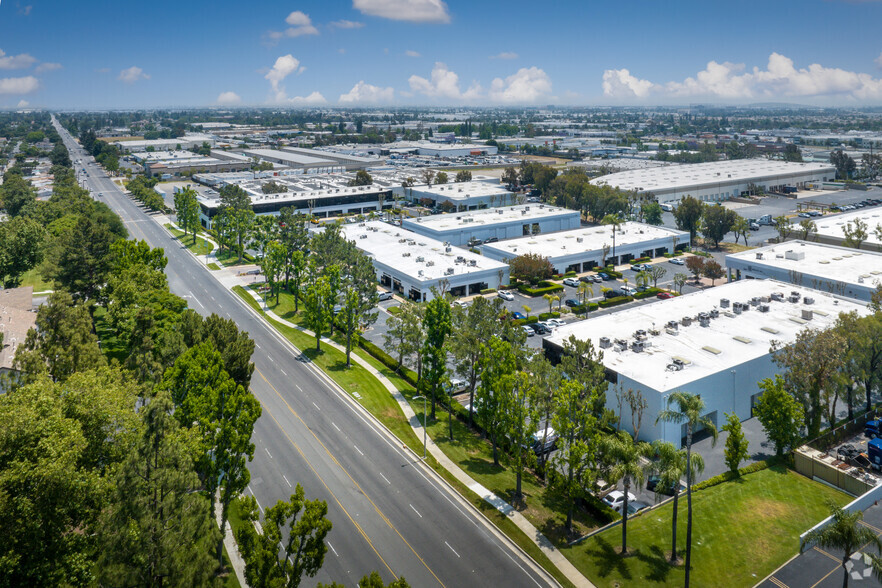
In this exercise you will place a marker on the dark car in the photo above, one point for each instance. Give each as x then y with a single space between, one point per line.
604 276
586 279
571 302
492 240
613 294
540 448
653 485
541 329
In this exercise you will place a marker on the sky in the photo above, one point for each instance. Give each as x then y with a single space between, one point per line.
104 54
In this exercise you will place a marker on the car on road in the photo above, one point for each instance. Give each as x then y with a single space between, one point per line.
664 295
455 385
254 272
571 282
528 330
653 484
676 261
571 302
616 499
640 267
505 295
544 441
517 315
384 295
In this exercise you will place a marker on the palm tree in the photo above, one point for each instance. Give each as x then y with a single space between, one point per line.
626 466
688 409
845 533
585 290
670 466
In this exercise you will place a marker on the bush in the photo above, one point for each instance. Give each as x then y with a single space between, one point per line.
556 277
570 274
643 259
727 476
393 310
668 255
614 301
539 291
488 290
548 315
648 293
390 362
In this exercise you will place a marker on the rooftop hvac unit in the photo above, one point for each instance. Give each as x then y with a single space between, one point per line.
686 321
754 301
672 325
637 346
808 300
421 259
640 334
498 211
704 319
447 249
764 308
430 263
777 296
794 298
448 271
807 314
523 213
362 236
724 303
473 262
745 306
715 313
759 255
795 255
420 273
736 308
621 344
579 239
605 343
405 254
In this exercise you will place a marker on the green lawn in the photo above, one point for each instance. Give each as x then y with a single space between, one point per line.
213 267
200 247
33 278
229 258
742 531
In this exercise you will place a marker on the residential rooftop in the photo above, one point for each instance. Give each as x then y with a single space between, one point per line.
419 257
686 350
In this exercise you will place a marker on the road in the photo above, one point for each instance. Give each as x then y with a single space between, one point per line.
390 512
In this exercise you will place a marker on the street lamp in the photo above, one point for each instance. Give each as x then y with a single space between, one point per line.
425 419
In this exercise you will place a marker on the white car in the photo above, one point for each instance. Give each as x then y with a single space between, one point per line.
554 323
616 499
574 282
384 295
528 330
676 261
630 290
460 303
505 295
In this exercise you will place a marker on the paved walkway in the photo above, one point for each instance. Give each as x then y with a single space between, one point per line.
232 548
230 278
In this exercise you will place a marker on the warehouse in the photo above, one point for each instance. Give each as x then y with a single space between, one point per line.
714 343
412 265
463 195
175 163
494 223
580 250
838 270
831 229
188 141
718 180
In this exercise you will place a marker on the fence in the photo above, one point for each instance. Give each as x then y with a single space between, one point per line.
842 432
818 465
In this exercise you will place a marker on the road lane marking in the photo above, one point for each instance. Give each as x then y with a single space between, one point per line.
298 387
270 357
286 481
283 372
451 549
332 549
358 450
336 427
384 477
418 514
316 406
255 499
267 452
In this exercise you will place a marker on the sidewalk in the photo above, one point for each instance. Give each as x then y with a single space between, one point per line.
236 560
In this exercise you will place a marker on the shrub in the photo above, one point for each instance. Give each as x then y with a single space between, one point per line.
556 277
668 255
488 290
570 274
547 315
393 310
390 362
614 301
649 292
539 291
643 259
726 476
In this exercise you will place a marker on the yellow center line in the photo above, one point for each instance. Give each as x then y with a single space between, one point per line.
866 524
331 455
331 492
778 582
834 558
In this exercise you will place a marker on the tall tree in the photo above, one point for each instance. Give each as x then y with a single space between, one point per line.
652 213
21 249
473 327
315 307
718 220
626 456
272 265
157 531
695 264
855 234
187 210
81 260
235 203
670 466
844 533
303 545
359 290
779 413
687 408
498 367
404 332
736 443
688 215
437 326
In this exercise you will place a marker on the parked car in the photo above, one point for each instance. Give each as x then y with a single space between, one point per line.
605 276
815 212
664 295
613 294
544 441
455 385
505 295
635 507
597 279
571 302
629 290
616 499
676 261
804 215
754 226
460 303
653 485
528 330
586 279
541 328
555 322
571 282
639 267
517 315
384 295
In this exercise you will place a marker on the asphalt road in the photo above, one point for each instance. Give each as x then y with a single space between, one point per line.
390 512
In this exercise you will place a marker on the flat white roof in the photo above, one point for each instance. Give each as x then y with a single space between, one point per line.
832 226
696 175
563 243
462 190
839 264
289 157
410 253
728 341
491 216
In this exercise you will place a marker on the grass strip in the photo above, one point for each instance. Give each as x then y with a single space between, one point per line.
199 247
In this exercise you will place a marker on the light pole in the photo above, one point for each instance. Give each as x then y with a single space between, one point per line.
425 419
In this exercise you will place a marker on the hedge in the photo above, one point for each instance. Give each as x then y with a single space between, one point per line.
488 290
524 289
649 292
609 271
615 301
570 274
548 315
584 308
393 309
390 362
727 476
641 259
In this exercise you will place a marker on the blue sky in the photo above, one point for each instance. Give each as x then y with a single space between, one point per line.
118 54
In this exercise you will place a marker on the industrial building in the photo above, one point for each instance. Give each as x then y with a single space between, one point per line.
459 228
831 229
188 141
582 249
719 180
310 159
837 270
412 265
464 195
714 343
176 163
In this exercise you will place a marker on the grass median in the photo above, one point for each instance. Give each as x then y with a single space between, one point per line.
742 531
199 247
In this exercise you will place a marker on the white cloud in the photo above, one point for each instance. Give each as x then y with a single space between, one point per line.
300 24
229 98
732 81
407 10
505 55
47 67
346 24
311 99
24 85
412 53
444 84
526 85
132 75
282 68
23 104
20 61
366 93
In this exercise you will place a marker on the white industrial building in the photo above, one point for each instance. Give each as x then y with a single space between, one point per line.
458 228
580 250
188 141
718 180
714 343
831 229
412 265
464 195
838 270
